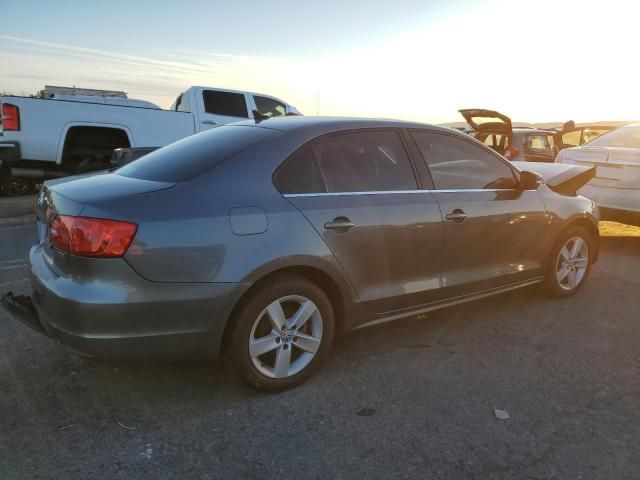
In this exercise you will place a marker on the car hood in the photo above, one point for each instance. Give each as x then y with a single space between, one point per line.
561 178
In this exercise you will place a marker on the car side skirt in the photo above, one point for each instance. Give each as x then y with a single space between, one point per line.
450 302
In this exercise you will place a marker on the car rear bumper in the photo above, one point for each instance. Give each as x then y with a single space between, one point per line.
128 316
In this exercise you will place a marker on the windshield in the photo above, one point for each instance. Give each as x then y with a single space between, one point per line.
626 137
194 155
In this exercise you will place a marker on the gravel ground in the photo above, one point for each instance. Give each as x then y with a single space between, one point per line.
412 399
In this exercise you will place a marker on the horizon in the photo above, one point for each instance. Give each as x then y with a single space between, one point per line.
414 60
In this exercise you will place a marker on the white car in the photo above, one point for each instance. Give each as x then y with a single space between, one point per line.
615 187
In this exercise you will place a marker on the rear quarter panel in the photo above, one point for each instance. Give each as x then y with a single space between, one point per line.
185 233
565 210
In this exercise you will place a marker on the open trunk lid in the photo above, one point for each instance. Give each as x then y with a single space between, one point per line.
482 120
565 179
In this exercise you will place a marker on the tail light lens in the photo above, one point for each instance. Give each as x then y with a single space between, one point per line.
511 152
10 117
91 237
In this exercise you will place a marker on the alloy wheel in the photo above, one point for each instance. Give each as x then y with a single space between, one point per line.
286 336
572 263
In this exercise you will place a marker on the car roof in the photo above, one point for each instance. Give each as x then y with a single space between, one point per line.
290 123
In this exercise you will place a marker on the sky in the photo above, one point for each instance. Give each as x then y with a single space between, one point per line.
548 60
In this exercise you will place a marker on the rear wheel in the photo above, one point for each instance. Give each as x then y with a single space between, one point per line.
281 333
570 263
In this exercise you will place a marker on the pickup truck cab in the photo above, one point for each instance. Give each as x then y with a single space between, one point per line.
68 130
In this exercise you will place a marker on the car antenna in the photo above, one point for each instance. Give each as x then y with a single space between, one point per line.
258 117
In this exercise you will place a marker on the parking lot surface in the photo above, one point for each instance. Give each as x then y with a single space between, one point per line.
410 399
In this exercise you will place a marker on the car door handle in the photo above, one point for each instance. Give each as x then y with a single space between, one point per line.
340 225
457 216
209 122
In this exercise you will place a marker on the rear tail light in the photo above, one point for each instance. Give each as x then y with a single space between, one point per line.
511 152
91 237
10 117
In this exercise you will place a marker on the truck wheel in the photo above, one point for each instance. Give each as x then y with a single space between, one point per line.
13 186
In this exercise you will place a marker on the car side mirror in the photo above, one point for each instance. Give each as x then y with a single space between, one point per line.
530 180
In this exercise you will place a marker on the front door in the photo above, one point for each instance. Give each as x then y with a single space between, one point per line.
359 191
492 228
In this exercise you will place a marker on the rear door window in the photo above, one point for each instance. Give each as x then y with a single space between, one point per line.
228 104
458 164
362 161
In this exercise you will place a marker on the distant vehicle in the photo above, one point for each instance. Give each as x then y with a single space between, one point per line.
71 130
264 239
616 185
526 144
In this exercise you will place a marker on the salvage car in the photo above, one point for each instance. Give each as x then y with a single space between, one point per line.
495 130
264 239
616 184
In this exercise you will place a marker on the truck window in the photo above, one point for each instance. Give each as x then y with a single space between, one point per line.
225 103
269 106
183 103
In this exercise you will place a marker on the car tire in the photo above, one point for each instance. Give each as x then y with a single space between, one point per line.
291 321
570 263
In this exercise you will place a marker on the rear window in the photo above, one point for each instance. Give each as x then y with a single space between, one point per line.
194 155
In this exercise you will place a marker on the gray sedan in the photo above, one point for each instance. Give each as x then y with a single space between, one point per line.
264 240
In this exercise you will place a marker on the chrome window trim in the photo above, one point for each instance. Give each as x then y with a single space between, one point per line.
395 192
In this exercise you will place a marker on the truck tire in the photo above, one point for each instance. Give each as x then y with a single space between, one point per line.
15 186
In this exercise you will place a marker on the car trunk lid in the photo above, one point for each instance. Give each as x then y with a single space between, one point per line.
565 179
482 120
73 195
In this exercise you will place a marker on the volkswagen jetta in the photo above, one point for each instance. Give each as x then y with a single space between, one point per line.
263 240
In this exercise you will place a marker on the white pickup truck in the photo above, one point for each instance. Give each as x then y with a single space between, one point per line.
69 130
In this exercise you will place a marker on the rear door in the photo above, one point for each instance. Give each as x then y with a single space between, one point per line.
217 107
359 191
492 227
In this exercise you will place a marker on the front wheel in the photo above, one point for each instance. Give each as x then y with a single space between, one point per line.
281 333
570 263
